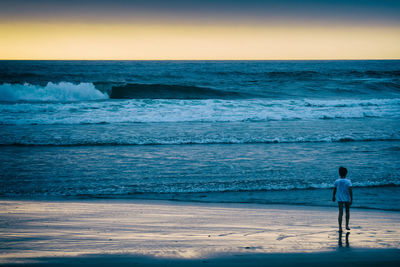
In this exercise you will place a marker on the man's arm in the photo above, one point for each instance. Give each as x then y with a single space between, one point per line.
334 194
351 195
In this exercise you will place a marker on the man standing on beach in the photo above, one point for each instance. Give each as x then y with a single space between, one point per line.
343 187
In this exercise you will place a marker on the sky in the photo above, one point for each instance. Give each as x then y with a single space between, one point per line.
199 29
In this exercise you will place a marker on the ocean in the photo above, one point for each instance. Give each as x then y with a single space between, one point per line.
267 132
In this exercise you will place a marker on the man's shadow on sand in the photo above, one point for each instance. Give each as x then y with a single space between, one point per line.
340 240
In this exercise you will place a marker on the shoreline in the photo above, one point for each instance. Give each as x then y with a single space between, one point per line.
157 232
194 202
257 198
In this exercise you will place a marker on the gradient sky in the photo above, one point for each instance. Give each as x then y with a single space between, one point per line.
206 29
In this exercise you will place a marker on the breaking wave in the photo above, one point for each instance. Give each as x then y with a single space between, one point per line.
52 92
70 92
87 91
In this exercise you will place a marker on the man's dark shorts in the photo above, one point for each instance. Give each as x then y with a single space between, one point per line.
344 203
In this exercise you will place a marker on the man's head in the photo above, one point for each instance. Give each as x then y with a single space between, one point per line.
342 172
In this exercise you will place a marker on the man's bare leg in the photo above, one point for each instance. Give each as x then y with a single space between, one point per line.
347 215
340 216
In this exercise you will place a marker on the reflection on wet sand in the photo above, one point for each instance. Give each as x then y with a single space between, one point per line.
340 240
35 229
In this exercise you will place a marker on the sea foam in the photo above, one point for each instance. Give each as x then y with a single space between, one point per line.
57 92
176 110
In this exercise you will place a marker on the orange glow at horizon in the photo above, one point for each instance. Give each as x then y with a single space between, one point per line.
196 42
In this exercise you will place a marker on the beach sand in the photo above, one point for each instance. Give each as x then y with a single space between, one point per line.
163 233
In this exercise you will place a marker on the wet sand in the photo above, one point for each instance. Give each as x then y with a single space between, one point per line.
176 233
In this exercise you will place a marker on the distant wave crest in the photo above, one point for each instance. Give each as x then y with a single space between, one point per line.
166 91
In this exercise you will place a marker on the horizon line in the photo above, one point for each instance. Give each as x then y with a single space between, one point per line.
326 59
